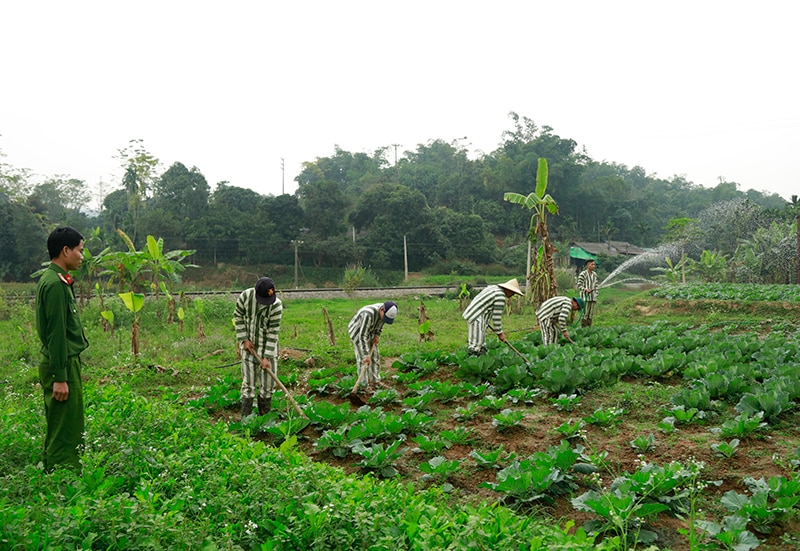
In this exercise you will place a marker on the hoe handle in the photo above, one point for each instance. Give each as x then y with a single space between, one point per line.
280 385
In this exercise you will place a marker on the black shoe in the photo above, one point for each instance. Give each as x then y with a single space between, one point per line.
247 407
264 405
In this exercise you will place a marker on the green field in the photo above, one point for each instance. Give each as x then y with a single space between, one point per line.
500 452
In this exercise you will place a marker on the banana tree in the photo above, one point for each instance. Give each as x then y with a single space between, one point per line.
541 277
133 302
673 273
92 268
108 321
125 267
198 305
164 266
170 303
711 266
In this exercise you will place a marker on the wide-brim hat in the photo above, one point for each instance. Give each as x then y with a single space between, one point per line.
265 291
512 286
580 302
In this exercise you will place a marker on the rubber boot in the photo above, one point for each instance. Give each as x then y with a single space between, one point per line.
264 405
247 407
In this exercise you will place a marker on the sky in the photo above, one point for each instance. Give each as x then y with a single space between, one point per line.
246 91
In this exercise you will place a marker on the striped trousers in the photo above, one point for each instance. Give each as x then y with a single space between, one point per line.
254 377
372 376
476 334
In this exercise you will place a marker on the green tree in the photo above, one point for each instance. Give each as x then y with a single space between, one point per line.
386 213
182 192
444 174
139 168
351 172
60 201
23 249
290 224
466 236
13 181
711 266
324 205
768 256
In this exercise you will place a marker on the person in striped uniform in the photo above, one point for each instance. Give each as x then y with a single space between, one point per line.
257 320
587 285
553 314
486 310
365 330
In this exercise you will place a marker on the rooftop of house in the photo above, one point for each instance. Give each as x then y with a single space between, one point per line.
611 248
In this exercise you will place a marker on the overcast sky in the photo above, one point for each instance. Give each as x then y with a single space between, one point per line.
704 89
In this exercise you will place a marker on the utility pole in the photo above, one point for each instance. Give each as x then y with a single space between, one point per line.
283 191
405 256
296 243
396 168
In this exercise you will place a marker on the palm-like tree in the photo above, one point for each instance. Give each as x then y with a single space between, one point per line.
541 278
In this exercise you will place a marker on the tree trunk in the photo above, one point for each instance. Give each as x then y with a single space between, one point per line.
331 335
683 265
549 249
542 279
135 338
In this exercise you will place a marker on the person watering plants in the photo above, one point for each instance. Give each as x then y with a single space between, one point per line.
553 315
257 320
365 330
61 334
487 306
587 285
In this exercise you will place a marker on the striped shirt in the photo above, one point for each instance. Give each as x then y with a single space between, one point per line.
556 308
490 301
587 285
258 323
365 325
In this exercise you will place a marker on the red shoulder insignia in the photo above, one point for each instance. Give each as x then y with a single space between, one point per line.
65 278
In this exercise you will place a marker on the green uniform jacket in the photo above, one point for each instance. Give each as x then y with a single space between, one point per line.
58 322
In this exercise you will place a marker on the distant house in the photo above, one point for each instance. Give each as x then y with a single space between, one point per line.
584 250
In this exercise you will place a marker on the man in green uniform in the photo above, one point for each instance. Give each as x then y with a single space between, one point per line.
63 340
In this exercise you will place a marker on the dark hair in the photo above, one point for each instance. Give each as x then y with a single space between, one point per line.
60 238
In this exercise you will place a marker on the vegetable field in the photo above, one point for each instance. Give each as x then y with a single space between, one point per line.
671 424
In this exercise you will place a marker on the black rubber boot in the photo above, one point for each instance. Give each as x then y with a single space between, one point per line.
247 407
264 405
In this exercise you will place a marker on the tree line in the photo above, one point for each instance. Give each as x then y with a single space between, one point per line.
434 207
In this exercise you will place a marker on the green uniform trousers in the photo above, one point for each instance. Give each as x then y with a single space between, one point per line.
65 421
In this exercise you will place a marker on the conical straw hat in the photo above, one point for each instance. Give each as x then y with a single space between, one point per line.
512 286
